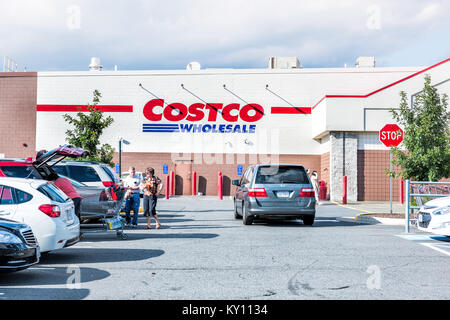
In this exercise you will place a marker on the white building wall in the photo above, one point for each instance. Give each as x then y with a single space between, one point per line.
288 133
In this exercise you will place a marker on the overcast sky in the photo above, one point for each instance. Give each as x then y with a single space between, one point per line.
64 35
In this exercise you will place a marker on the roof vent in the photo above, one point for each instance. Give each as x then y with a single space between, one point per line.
193 66
95 64
367 62
284 63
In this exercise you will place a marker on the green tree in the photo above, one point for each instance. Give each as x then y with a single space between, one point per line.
87 130
426 136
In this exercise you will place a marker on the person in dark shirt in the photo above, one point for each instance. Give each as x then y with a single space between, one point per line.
151 186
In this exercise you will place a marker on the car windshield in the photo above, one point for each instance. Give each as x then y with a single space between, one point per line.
20 172
281 175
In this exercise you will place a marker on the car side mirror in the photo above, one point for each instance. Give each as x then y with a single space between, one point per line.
235 183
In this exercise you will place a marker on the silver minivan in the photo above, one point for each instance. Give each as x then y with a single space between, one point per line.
274 191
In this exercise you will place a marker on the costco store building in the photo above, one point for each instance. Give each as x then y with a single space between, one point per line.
211 120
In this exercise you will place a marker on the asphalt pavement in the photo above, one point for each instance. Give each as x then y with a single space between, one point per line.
202 252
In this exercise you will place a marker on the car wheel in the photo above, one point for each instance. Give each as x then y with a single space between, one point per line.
246 219
308 220
236 214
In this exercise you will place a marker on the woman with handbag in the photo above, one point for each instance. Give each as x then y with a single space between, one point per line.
152 186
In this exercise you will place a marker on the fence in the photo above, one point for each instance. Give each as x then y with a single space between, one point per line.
421 192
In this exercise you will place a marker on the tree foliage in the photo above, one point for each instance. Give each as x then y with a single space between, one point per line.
426 136
87 130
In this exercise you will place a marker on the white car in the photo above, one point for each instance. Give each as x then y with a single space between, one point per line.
42 206
434 216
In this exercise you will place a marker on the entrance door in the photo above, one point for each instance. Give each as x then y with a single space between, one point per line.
183 177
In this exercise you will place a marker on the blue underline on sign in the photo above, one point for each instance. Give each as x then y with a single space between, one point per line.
200 128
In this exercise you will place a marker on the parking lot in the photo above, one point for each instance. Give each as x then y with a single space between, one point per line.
202 252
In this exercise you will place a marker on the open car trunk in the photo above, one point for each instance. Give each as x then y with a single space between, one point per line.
43 166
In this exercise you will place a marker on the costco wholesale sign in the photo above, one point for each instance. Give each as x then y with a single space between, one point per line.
196 112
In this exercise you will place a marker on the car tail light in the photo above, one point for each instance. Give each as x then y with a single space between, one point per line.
257 192
109 183
51 210
307 192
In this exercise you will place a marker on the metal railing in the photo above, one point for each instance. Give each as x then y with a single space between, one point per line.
418 190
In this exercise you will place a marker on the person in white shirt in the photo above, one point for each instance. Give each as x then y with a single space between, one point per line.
315 183
131 183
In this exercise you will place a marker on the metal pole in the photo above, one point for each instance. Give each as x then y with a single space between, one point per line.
407 208
120 158
167 187
172 182
220 190
344 190
194 183
390 180
402 191
343 153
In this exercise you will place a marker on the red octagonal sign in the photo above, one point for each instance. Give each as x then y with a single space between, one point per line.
391 135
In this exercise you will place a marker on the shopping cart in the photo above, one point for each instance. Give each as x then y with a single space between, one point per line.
110 221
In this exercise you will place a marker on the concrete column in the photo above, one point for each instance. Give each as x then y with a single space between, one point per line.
337 159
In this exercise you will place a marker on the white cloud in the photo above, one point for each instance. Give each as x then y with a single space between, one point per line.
428 12
169 34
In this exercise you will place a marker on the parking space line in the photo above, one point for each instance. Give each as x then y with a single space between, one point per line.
83 247
423 237
432 246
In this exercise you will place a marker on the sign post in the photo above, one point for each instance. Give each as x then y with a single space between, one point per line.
391 135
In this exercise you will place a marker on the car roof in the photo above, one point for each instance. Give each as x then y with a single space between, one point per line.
23 181
81 162
13 161
278 165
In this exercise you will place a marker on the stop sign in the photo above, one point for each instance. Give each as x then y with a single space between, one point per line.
391 135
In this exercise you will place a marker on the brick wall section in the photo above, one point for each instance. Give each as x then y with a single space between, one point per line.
207 173
373 183
18 91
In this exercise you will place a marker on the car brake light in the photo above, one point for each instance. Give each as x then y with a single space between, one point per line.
51 210
257 192
307 192
109 183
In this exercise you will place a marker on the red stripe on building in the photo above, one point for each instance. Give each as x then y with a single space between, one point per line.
76 108
291 110
383 88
